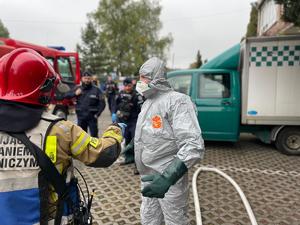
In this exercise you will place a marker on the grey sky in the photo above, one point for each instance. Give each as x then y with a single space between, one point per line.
210 26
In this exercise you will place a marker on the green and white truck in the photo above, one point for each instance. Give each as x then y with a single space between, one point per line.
254 87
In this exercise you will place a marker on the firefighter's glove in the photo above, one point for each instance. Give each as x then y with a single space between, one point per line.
160 183
114 118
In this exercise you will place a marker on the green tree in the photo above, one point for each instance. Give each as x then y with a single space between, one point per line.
252 25
198 62
3 30
92 56
291 10
121 35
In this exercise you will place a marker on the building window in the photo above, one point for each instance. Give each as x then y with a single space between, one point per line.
268 16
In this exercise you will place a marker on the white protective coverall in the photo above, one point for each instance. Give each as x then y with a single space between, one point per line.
167 128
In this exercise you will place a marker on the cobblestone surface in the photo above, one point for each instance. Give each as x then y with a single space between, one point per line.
269 179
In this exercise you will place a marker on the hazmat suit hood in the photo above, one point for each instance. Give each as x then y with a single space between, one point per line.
155 70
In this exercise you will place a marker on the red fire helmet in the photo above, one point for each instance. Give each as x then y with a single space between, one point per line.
26 77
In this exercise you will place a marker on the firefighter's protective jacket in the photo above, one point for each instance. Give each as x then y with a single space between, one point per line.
25 196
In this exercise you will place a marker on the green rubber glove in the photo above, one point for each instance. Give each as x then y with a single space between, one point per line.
129 147
160 183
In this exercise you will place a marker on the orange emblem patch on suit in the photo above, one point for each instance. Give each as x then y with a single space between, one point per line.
156 122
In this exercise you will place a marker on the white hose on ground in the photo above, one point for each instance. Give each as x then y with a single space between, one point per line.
239 190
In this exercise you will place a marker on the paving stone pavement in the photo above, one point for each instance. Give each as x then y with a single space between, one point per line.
269 179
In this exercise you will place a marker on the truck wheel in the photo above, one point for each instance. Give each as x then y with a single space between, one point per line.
61 113
288 141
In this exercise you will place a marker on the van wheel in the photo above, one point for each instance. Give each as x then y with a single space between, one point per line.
61 113
288 141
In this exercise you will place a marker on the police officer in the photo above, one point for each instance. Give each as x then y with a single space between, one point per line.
111 90
128 106
27 83
89 105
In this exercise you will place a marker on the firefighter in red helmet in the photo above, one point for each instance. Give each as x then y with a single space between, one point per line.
26 77
28 192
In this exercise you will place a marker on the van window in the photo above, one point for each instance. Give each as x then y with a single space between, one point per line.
214 86
65 69
181 83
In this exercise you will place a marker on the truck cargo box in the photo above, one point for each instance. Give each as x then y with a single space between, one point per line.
271 80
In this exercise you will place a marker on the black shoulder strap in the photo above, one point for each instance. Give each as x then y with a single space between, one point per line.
49 170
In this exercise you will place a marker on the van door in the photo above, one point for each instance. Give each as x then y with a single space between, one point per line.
218 103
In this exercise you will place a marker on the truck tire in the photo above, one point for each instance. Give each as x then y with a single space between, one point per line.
61 113
288 141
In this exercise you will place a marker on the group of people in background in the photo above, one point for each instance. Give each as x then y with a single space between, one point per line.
124 106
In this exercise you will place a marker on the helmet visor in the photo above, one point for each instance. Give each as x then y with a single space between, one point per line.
48 84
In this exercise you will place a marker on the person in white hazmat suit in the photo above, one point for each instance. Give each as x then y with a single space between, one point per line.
168 143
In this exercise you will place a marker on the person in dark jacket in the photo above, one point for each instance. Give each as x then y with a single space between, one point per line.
111 90
89 105
128 107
